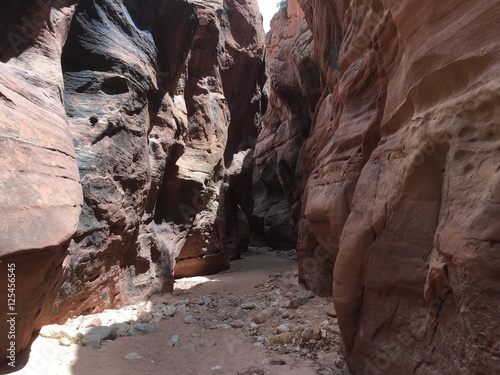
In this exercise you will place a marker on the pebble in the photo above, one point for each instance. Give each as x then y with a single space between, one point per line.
145 327
143 315
330 310
297 302
216 368
189 319
175 340
339 363
120 329
237 324
248 306
92 341
133 356
311 334
237 313
103 332
282 328
333 329
264 315
281 339
169 311
277 362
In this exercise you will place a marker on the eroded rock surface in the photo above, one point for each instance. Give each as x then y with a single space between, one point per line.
148 105
294 91
401 180
40 192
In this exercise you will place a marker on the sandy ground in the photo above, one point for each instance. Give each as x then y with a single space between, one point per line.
219 336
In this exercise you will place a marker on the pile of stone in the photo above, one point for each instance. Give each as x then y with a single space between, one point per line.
92 330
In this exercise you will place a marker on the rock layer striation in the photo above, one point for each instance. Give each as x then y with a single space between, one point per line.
127 133
401 174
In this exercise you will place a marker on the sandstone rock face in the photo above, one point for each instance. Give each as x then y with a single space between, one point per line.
41 196
402 180
160 154
130 161
294 91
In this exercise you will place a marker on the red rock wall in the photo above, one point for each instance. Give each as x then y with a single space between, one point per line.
294 91
41 195
402 180
150 108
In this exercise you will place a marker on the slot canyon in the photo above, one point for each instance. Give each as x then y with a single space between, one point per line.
319 198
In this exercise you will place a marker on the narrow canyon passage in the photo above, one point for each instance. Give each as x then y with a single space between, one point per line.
208 325
149 145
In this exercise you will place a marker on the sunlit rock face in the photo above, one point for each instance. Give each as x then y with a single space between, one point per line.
401 174
40 192
127 134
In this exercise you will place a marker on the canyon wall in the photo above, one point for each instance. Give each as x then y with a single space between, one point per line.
127 134
294 87
402 178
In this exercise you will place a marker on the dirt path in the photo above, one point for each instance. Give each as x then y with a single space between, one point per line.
205 327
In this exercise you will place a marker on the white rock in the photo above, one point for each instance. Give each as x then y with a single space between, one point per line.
216 368
133 356
64 341
282 328
175 340
56 331
53 331
189 319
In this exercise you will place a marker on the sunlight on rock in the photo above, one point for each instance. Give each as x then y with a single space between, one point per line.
188 283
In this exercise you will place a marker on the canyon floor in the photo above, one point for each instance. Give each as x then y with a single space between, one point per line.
252 319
